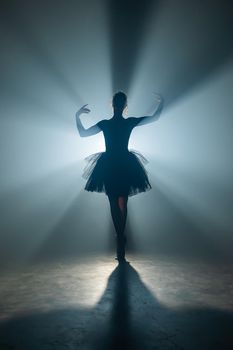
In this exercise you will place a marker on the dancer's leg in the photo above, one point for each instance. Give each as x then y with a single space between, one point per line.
122 203
118 206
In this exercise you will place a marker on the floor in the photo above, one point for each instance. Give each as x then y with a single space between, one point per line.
94 303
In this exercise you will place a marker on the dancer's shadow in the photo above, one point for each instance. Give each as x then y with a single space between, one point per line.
118 333
127 316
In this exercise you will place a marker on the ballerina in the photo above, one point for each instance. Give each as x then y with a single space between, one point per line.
117 172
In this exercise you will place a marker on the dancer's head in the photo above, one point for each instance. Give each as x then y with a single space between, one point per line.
119 101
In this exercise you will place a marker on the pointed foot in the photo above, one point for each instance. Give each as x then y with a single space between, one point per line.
122 260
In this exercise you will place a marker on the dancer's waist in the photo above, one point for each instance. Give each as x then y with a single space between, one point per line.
116 150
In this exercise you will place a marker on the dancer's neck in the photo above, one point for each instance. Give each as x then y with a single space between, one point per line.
117 114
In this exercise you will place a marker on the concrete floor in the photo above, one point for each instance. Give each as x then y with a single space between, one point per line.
151 303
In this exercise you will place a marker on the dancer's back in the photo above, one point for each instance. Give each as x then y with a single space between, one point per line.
117 133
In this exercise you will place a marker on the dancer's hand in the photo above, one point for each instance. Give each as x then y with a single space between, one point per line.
83 109
158 97
83 132
155 116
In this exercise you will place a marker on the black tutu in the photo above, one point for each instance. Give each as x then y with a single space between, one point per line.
120 174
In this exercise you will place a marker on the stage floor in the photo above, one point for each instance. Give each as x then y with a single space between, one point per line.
92 303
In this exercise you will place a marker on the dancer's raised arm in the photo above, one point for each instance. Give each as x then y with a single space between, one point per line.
82 131
151 118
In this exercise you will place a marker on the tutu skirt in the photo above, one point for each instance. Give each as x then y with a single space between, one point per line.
120 174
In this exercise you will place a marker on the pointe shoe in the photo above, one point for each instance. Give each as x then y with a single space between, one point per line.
122 260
